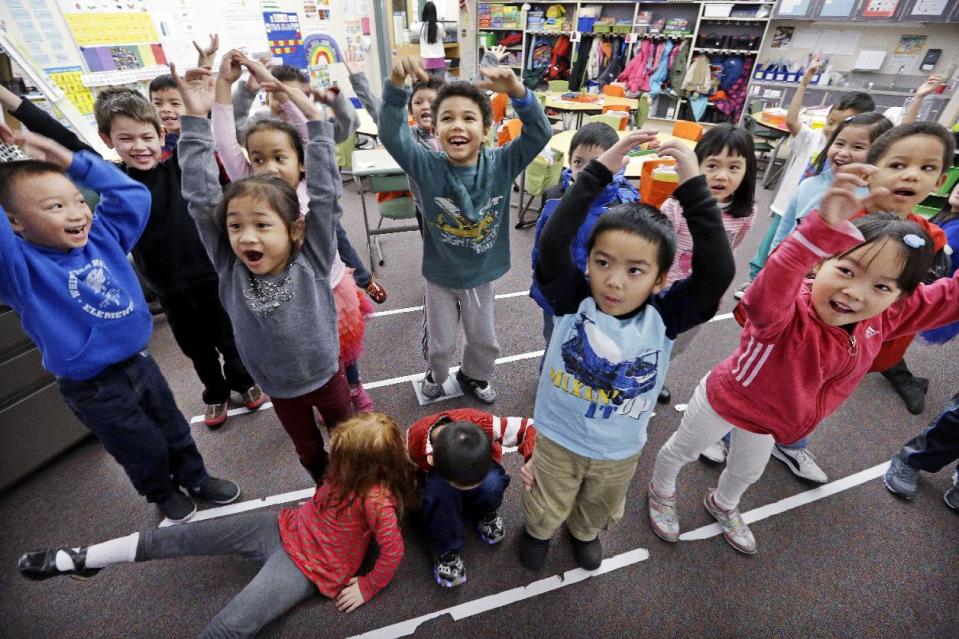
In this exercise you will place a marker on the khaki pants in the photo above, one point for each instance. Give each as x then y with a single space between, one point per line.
588 494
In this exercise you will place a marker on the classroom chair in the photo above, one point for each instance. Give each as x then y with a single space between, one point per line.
642 112
614 90
559 86
766 142
617 122
688 130
509 131
539 176
344 157
498 103
397 208
618 111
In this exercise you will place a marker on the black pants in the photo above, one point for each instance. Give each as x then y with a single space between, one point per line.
203 331
130 409
938 445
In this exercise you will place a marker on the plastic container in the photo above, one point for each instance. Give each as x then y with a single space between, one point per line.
658 179
602 28
585 24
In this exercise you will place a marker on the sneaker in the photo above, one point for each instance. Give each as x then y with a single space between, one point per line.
741 291
588 554
360 399
215 415
717 452
429 388
376 292
664 396
253 398
532 551
735 530
448 569
491 528
952 495
663 518
910 388
901 478
479 389
801 462
42 564
177 507
219 491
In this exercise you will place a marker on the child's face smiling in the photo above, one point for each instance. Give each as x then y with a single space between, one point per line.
623 271
169 105
271 153
460 130
858 285
259 236
51 212
911 168
137 143
851 145
724 173
581 156
421 109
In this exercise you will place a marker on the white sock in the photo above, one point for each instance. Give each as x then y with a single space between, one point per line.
121 549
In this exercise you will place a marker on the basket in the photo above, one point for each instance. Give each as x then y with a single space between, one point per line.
585 24
541 175
602 28
651 191
622 28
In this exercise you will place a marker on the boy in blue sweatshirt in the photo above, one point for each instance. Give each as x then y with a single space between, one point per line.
64 270
465 190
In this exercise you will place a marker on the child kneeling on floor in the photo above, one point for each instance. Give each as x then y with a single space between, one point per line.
460 453
316 546
609 352
804 346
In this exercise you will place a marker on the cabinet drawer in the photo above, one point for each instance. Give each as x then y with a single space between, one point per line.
22 374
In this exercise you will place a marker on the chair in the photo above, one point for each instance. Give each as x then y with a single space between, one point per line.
498 103
559 86
642 112
509 131
616 122
539 176
344 157
399 208
688 130
620 112
614 90
765 141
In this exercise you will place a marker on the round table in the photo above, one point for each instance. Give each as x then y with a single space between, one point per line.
560 142
554 100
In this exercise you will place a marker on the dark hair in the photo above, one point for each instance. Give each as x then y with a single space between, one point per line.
11 172
287 73
885 226
462 453
881 146
428 15
464 90
946 213
857 101
738 142
113 102
433 84
877 123
162 82
270 189
594 134
643 220
272 124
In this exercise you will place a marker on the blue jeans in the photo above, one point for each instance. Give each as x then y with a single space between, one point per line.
444 507
361 274
130 409
765 246
938 445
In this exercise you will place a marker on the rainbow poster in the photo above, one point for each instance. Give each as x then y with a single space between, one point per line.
283 35
322 49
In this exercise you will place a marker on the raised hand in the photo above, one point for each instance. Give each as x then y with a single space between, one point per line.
258 69
499 51
351 597
231 66
252 84
811 70
37 146
840 201
303 102
501 80
352 66
205 54
197 90
687 164
407 67
928 86
614 158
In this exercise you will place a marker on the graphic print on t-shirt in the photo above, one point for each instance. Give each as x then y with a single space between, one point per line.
595 371
458 230
95 289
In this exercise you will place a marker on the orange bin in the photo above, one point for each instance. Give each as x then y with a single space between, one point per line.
655 186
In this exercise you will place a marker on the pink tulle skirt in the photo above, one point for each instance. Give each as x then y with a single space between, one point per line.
352 307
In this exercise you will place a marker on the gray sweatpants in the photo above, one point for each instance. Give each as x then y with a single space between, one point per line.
278 586
444 309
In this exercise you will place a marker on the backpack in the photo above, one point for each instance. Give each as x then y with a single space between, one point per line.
558 68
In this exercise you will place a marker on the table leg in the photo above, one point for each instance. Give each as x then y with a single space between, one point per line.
767 174
366 222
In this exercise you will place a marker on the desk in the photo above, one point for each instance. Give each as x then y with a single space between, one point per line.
367 126
368 164
807 117
560 142
555 101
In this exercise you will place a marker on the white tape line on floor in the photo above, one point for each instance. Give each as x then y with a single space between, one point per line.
491 602
243 506
781 506
413 309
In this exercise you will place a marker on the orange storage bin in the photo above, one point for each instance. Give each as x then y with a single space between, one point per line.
655 184
688 130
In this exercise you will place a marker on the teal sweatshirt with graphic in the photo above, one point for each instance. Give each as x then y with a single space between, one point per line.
465 209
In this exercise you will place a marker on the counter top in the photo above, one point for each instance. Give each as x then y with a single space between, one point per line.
905 93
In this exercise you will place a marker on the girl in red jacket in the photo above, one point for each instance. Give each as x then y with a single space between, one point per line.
317 545
800 358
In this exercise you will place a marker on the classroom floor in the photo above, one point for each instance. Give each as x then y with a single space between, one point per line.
856 563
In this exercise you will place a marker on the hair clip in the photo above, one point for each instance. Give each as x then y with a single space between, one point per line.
913 241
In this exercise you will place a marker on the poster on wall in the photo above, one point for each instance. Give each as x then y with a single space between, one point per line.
910 45
355 49
880 8
284 37
39 22
782 37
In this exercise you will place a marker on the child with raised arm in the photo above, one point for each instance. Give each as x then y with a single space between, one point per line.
609 352
274 267
65 272
805 345
317 546
465 190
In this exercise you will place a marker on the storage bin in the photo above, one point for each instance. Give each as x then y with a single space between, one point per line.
622 28
602 28
585 24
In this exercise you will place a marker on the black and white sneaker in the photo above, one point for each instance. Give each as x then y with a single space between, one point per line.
177 507
449 570
42 564
491 528
801 462
219 491
478 388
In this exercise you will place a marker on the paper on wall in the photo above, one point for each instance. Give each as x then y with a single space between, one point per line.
805 39
847 42
869 60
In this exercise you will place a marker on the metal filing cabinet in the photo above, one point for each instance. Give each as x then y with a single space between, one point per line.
35 424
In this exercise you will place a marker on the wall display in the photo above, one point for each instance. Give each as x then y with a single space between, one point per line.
69 81
793 8
92 28
880 8
284 38
837 8
929 8
41 23
782 37
322 49
910 45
